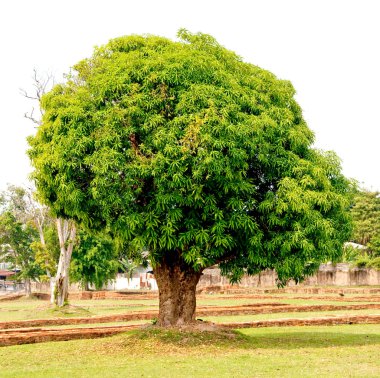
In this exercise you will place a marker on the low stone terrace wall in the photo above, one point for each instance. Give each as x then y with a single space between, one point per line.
327 275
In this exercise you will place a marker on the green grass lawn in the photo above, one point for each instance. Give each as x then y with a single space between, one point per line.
24 309
333 351
109 324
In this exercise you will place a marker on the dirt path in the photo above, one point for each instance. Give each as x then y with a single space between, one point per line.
11 297
39 335
331 320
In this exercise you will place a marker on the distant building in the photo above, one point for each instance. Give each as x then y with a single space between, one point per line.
142 278
5 266
6 274
355 245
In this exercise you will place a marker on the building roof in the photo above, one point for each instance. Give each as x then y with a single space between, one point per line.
6 273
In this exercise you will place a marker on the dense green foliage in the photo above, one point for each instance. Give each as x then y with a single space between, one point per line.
181 146
16 239
366 220
365 214
47 254
94 260
18 233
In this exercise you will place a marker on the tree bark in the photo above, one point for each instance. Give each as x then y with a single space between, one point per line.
66 235
52 289
39 222
177 283
28 287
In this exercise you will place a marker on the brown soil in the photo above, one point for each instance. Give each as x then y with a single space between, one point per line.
332 320
11 297
196 326
263 309
30 336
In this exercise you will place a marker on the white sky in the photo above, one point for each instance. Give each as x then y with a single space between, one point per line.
328 49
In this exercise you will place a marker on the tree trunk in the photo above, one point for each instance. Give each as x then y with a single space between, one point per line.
39 223
66 235
52 289
28 287
177 283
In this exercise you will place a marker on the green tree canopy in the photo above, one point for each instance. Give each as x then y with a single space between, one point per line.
16 240
184 150
366 219
94 260
19 234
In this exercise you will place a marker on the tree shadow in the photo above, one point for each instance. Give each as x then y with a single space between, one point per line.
261 338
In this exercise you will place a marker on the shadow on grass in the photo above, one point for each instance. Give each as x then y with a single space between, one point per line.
259 338
69 311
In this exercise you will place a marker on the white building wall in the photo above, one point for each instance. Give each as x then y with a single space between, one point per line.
122 283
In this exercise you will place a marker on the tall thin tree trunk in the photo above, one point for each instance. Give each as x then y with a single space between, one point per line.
52 289
39 224
177 283
66 234
28 287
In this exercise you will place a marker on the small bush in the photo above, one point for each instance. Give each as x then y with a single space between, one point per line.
374 263
362 262
350 254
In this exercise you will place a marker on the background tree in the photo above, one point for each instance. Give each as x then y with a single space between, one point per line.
128 266
366 229
182 149
41 84
366 218
66 229
94 260
374 245
22 204
47 253
23 222
15 248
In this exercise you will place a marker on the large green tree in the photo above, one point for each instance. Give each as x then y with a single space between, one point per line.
184 150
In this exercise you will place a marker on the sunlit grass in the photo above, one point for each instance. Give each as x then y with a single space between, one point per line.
90 325
26 309
334 351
